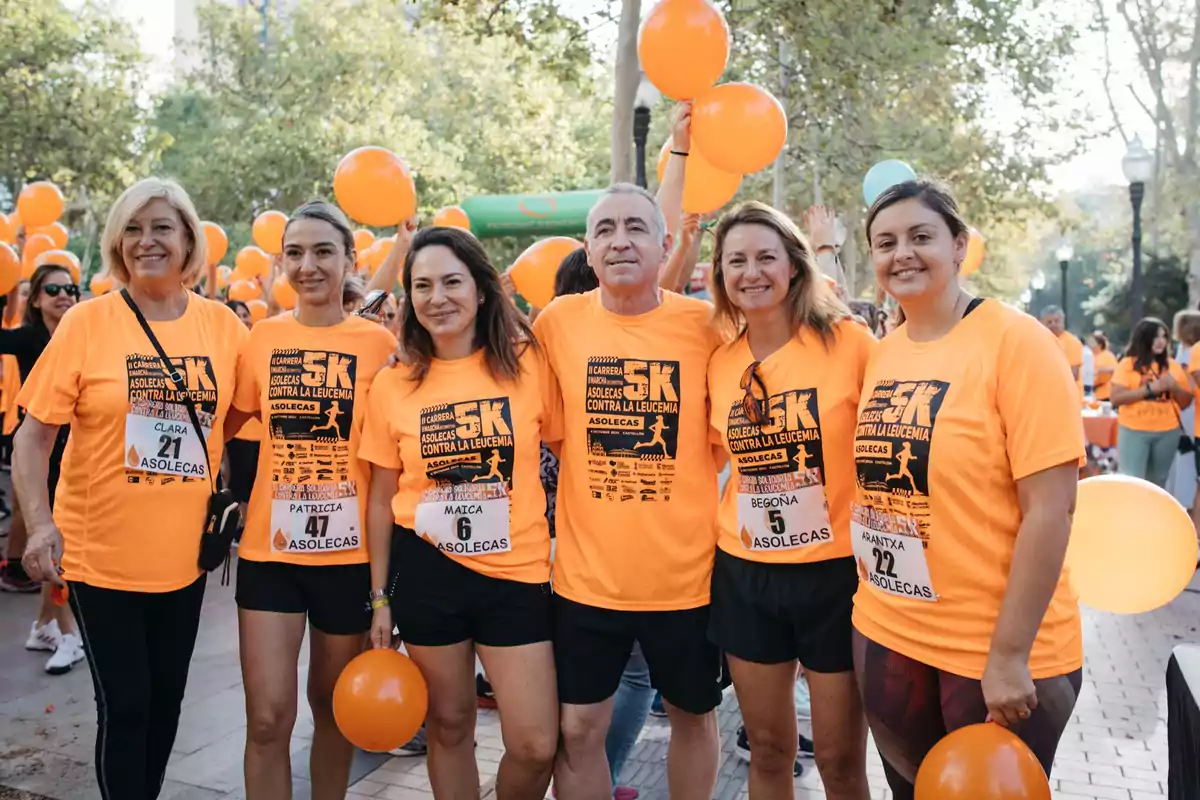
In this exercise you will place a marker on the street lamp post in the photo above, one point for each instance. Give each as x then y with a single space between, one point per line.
647 95
1138 166
1065 253
1038 282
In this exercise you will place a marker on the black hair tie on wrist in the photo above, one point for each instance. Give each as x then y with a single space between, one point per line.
679 153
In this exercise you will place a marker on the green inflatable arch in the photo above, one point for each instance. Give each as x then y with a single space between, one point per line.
557 214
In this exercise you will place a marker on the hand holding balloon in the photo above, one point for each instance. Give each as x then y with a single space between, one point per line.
681 128
381 628
1008 689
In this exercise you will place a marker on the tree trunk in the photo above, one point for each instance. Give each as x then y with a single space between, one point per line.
1193 278
624 91
849 253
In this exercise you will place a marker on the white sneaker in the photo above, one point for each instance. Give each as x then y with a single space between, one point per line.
47 637
68 654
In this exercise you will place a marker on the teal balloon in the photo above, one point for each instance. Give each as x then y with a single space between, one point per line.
884 176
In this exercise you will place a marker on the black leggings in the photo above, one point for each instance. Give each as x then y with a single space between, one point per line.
910 706
138 646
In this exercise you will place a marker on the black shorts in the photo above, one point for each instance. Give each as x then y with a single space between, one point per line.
436 601
773 613
592 646
243 467
336 598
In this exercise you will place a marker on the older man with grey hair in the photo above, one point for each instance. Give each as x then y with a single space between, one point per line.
637 498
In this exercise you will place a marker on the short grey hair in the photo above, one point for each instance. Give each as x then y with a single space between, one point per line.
1048 310
659 218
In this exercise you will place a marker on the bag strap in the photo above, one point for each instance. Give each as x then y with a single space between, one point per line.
176 379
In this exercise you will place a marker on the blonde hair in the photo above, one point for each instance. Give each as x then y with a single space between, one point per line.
131 201
810 301
1187 327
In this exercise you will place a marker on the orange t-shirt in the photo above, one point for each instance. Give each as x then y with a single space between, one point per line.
134 490
1105 360
1157 414
1193 368
637 483
788 503
468 448
309 504
945 431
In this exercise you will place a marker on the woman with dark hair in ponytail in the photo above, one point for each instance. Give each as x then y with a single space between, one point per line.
454 438
302 562
966 453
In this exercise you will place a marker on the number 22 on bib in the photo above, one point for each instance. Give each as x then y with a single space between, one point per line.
890 556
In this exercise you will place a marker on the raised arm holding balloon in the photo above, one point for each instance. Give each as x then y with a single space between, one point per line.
671 182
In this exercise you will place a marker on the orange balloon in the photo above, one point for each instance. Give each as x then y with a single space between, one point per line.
1105 570
705 188
34 246
378 253
56 231
284 294
452 217
244 290
375 187
739 127
217 241
10 268
258 310
63 258
252 262
363 239
534 270
975 252
40 204
101 284
981 762
380 700
223 276
268 231
9 223
683 46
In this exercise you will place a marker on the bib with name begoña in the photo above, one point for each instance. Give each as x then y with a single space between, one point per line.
781 502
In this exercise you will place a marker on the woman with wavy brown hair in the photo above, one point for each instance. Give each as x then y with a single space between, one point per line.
784 398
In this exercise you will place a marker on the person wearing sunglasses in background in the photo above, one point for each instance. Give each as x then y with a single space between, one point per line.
785 398
52 293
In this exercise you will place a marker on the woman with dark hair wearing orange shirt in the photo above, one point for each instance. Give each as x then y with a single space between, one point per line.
967 452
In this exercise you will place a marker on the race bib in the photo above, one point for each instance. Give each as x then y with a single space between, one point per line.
891 560
784 520
315 518
466 519
160 438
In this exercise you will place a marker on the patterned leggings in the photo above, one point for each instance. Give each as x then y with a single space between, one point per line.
910 706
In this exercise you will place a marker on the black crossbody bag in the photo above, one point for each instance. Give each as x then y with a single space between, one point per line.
222 521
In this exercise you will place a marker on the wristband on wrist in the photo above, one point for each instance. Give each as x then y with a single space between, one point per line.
826 247
379 602
679 153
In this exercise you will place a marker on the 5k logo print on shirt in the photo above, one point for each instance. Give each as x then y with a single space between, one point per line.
159 437
632 427
468 450
310 401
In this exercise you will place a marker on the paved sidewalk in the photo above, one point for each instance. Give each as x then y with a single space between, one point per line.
1115 748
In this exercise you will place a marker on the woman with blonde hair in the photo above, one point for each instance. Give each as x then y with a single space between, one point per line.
133 499
784 395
